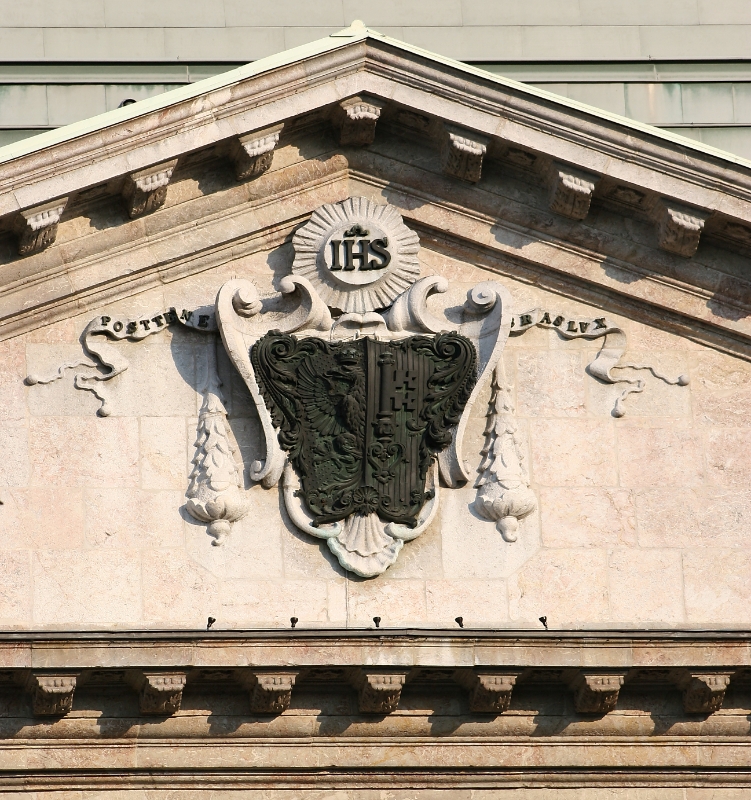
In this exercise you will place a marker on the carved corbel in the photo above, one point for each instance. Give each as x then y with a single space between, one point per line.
254 152
596 693
36 228
703 693
489 691
146 190
571 191
378 690
51 695
462 153
270 692
355 120
679 227
158 692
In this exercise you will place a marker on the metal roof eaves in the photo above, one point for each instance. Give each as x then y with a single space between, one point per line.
333 42
526 88
92 124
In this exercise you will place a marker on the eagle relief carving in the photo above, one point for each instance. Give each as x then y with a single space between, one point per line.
362 393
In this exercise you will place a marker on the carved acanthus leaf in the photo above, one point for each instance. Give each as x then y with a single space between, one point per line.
146 190
36 228
679 227
253 153
703 692
159 693
462 153
489 690
596 693
378 690
571 191
216 492
270 690
51 695
355 120
504 495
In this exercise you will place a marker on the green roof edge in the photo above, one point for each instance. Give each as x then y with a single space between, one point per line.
356 32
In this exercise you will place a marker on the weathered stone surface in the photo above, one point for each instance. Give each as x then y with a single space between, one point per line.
575 453
269 603
253 153
15 466
62 599
378 691
727 457
26 513
489 691
566 586
722 390
703 693
12 373
571 190
587 517
679 227
596 692
146 190
176 591
36 228
16 589
646 586
270 690
132 519
163 453
51 694
462 153
478 603
355 120
717 586
159 693
693 517
84 451
660 456
550 384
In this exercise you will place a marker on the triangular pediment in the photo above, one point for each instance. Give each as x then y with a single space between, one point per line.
514 179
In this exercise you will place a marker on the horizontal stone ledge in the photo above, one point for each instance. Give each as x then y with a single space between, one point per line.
396 647
279 782
594 690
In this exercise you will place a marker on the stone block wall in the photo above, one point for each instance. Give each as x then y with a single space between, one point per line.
644 521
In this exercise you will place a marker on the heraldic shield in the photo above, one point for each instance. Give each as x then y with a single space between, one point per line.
363 420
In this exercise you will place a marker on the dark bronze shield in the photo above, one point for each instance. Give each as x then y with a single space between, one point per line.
362 420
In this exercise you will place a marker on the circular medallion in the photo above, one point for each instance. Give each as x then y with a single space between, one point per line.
359 256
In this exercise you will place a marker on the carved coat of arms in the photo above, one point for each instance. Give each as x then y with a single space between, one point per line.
362 393
363 420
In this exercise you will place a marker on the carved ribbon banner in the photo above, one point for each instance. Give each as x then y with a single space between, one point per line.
134 330
609 357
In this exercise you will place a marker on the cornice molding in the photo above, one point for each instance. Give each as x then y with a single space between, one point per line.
238 221
587 141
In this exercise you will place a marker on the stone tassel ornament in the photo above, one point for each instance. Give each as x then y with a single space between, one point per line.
216 494
504 495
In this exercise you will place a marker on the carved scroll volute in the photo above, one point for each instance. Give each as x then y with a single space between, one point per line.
239 314
409 313
487 321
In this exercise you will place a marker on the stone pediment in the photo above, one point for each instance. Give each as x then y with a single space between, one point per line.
528 184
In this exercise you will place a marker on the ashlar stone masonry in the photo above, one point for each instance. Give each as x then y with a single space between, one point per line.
565 607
